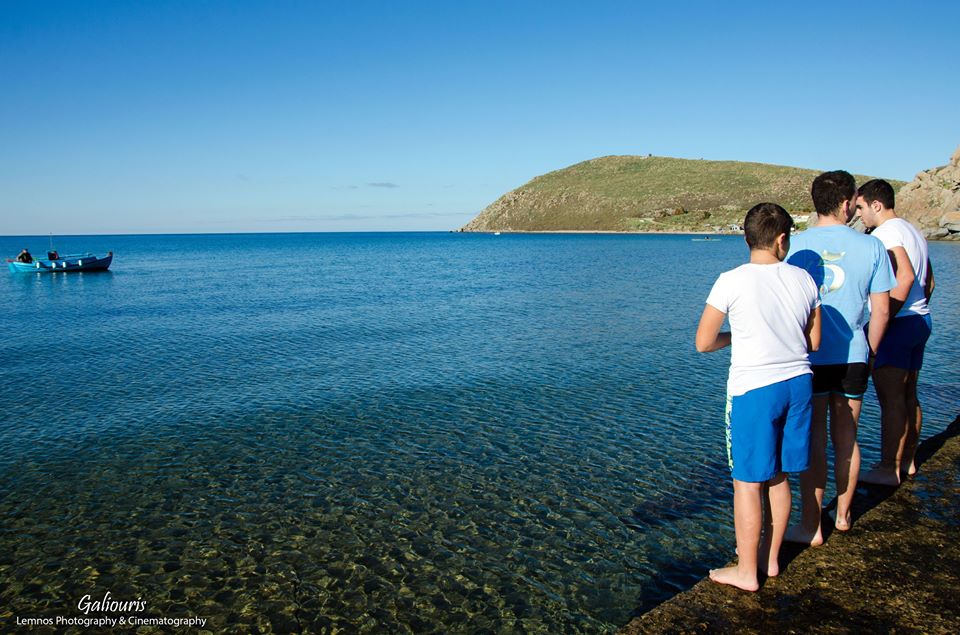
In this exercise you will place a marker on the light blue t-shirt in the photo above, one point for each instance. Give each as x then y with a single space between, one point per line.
847 266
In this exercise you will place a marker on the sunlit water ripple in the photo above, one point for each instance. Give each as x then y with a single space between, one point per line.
368 432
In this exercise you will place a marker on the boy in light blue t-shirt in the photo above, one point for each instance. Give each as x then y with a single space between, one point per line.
851 269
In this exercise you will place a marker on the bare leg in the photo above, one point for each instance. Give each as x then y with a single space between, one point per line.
813 481
844 415
747 510
891 385
777 500
914 424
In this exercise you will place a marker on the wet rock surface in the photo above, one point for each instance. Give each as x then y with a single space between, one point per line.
896 571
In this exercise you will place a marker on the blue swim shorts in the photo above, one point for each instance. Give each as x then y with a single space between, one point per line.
903 344
768 430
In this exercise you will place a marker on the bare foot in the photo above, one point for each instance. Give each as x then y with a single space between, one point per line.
841 524
768 566
796 533
911 469
880 476
733 577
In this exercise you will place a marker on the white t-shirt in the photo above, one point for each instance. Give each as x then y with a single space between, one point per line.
768 307
897 232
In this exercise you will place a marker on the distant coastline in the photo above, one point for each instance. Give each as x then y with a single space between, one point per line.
607 231
648 194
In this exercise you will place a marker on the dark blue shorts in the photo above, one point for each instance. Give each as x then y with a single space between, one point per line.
904 342
768 430
849 380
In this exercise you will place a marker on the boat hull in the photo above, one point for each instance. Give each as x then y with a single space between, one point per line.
66 264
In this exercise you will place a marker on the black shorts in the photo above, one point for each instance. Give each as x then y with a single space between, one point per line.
849 380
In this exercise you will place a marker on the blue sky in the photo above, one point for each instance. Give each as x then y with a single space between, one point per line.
206 116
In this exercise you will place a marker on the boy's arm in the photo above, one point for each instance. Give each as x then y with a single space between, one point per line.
813 330
928 287
903 270
709 337
879 316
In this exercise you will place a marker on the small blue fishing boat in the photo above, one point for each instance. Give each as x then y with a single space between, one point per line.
67 263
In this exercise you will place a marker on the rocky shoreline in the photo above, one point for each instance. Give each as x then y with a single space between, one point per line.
631 194
931 236
932 201
897 571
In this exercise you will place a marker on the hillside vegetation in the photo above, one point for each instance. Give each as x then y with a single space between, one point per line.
633 193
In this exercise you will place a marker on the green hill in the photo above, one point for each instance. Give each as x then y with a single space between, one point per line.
631 193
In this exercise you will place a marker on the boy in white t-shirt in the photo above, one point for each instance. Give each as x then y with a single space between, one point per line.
774 314
896 367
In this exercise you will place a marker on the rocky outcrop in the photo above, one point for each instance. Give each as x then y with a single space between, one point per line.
932 200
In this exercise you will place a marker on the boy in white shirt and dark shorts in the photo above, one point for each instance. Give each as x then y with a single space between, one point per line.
774 315
896 367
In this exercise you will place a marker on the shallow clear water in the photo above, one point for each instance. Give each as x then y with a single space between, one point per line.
405 432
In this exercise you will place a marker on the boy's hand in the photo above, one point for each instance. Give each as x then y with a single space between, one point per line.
709 338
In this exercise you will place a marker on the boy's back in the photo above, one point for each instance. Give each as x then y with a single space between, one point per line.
773 312
847 267
768 306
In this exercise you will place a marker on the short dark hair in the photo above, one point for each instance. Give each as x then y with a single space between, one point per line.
831 189
877 190
764 222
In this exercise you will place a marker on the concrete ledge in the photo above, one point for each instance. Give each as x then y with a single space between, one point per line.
896 571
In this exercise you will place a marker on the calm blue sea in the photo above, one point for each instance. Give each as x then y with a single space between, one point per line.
421 432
